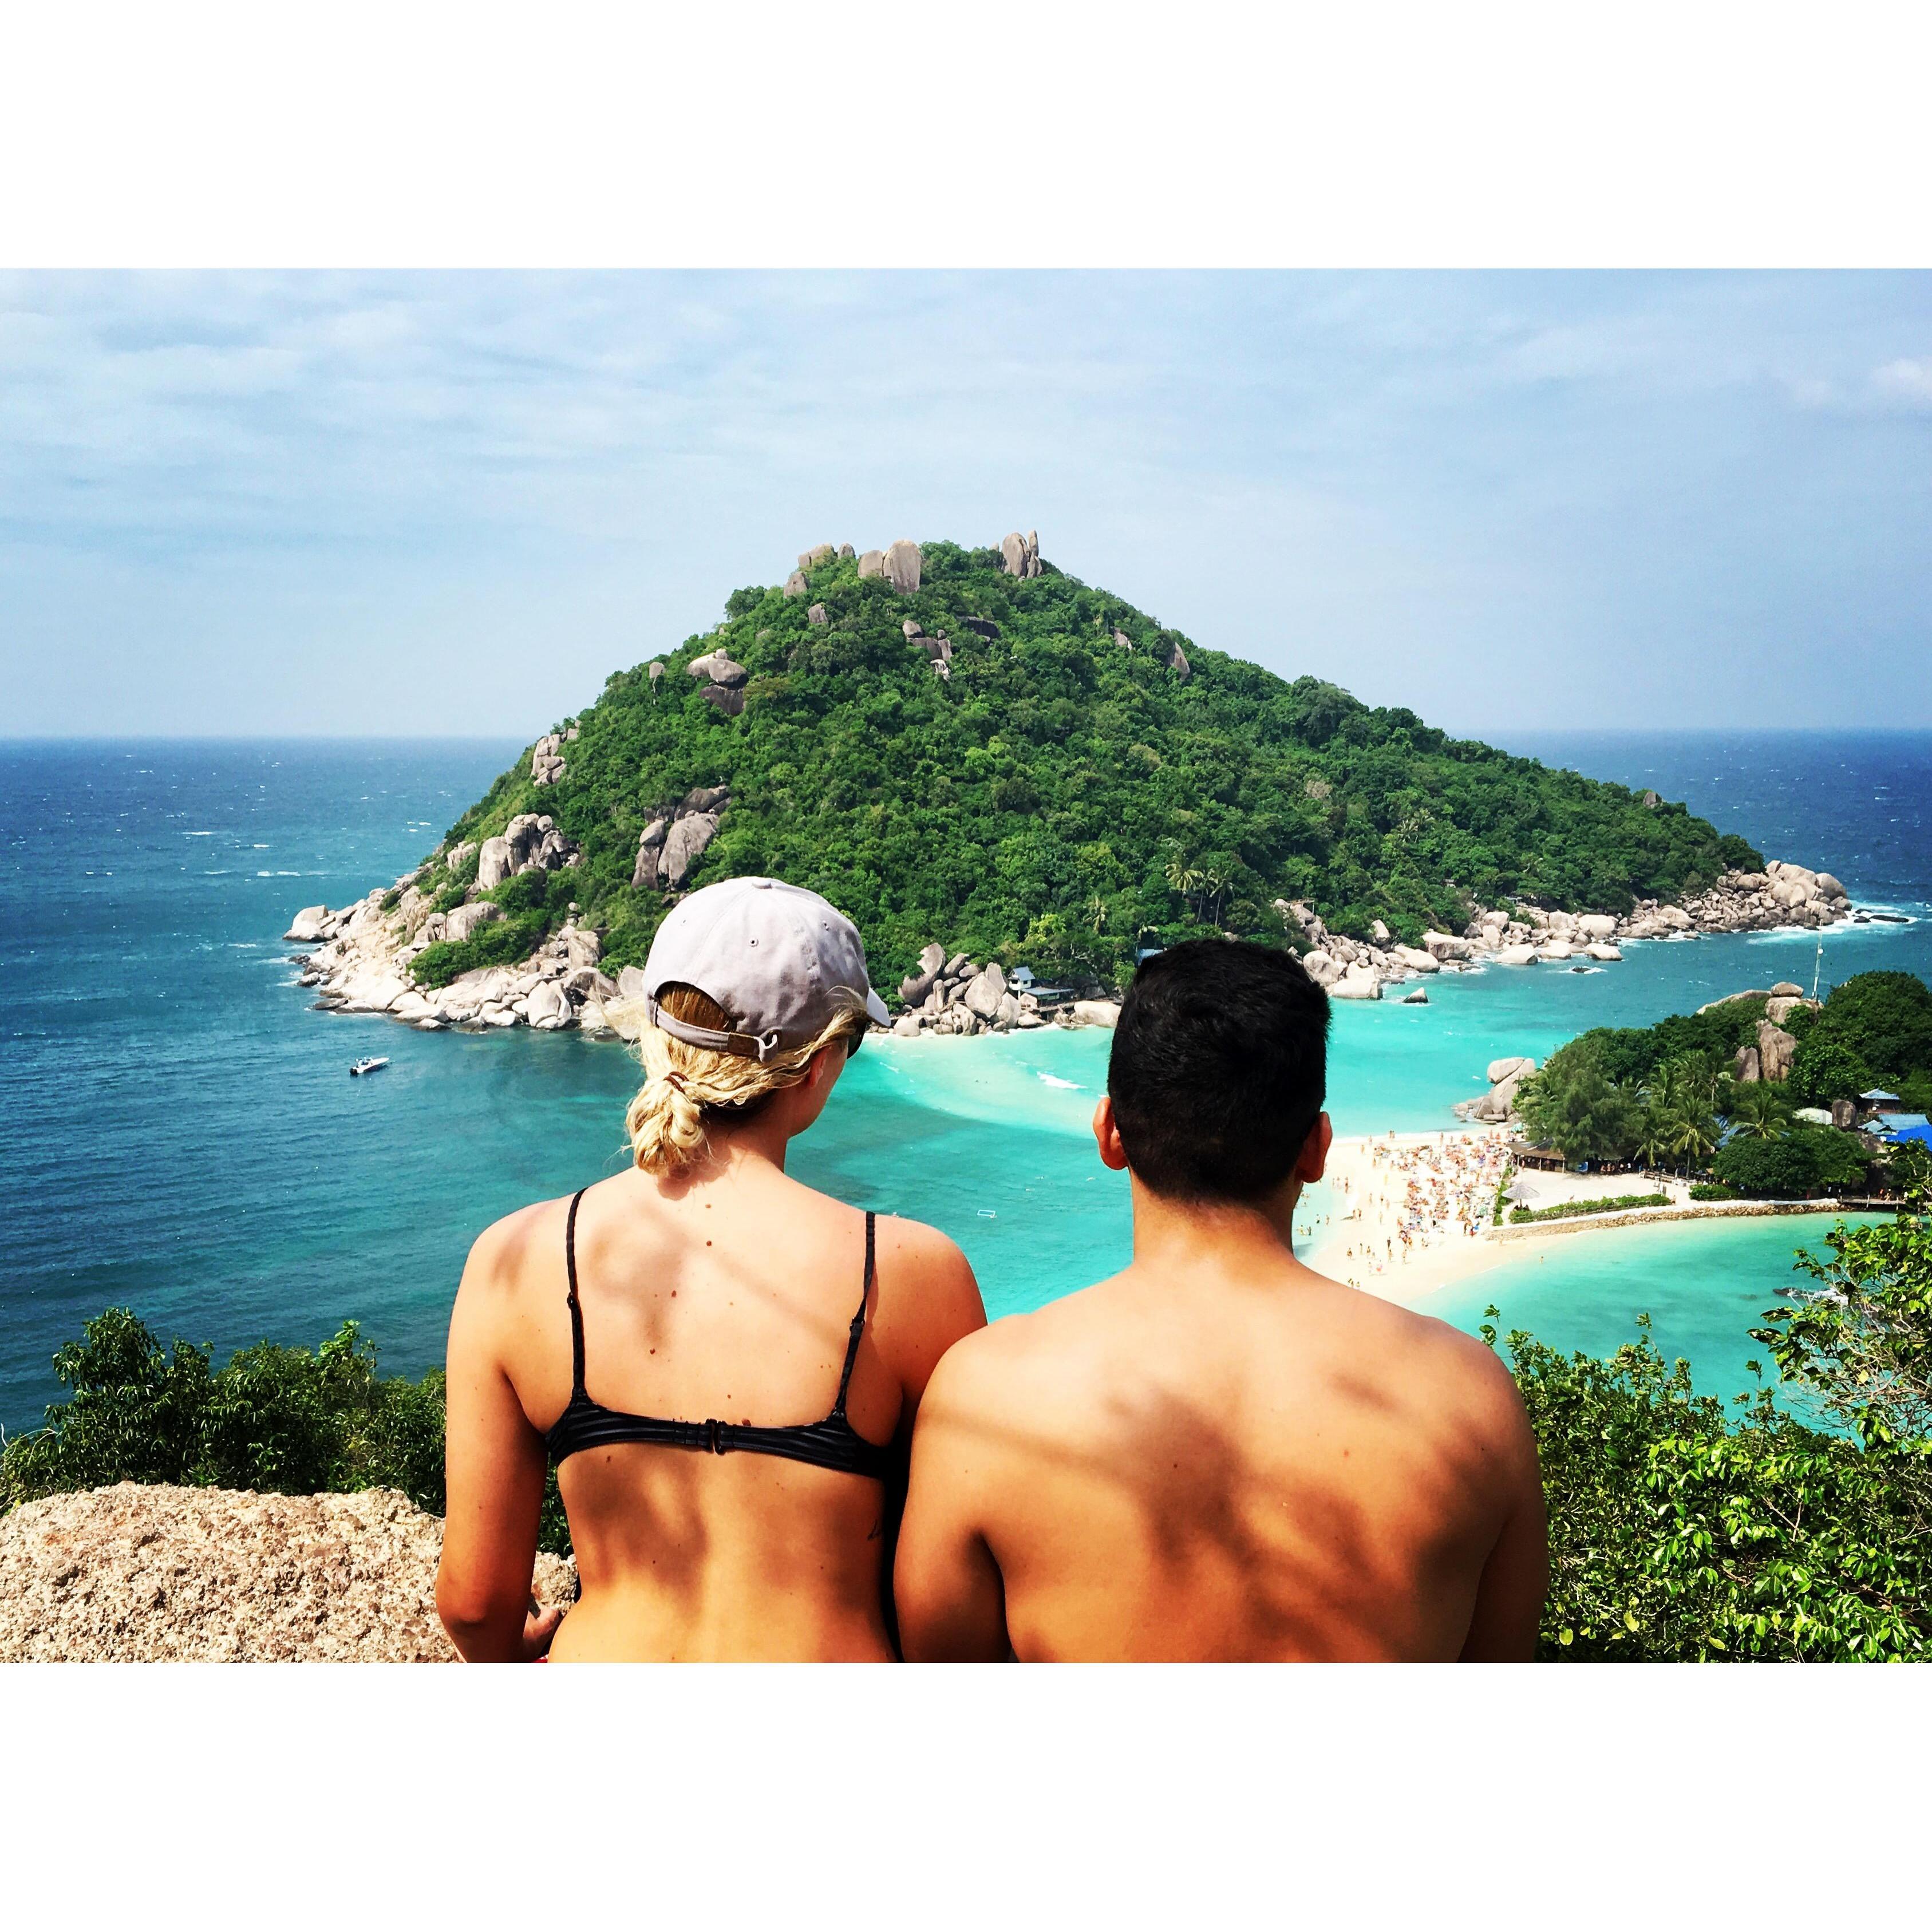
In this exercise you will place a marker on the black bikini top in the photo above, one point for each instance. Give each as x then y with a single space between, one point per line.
833 1443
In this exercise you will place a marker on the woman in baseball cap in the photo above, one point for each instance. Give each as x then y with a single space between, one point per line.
723 1363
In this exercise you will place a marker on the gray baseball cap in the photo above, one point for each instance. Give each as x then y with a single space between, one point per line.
783 962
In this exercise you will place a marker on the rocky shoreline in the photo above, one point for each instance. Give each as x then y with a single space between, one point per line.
364 952
1782 896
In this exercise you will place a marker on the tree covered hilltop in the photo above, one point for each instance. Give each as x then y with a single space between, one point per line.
973 746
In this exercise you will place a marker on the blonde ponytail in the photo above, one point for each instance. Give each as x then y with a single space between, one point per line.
687 1087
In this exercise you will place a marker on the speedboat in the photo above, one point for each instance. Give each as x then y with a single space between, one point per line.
368 1066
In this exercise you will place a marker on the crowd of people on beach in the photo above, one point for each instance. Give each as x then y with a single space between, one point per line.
1413 1193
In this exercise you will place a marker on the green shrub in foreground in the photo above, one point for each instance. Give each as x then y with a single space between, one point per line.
278 1419
274 1418
1679 1533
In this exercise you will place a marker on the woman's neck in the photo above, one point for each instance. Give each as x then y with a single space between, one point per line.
760 1139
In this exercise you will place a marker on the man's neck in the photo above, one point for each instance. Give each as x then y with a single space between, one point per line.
1172 1236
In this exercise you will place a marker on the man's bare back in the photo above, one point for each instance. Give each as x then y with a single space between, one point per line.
1210 1463
1219 1454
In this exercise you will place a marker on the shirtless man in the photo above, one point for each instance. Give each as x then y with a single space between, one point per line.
1219 1453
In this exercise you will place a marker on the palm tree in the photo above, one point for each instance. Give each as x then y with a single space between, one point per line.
1096 911
1760 1108
1654 1137
1184 879
1692 1133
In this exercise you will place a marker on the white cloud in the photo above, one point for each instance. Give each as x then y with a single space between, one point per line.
1906 381
1484 497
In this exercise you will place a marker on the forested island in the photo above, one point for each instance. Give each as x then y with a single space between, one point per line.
1766 1094
971 749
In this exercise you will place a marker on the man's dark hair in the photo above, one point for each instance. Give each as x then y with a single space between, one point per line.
1219 1068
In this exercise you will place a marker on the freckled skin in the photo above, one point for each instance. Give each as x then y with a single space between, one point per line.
684 1554
1219 1454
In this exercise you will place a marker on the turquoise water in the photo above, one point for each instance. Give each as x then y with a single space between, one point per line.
1704 1284
178 1133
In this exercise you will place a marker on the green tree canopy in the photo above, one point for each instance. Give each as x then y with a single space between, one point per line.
1054 774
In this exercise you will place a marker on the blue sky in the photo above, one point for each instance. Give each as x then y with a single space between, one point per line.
337 503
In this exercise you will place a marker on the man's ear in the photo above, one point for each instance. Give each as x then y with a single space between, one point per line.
1107 1135
1314 1156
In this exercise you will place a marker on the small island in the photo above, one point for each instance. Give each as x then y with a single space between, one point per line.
992 767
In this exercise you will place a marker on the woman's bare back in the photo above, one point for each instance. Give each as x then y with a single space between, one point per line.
730 1297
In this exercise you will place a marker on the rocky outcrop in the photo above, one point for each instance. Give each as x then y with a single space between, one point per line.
1782 894
650 848
461 922
714 667
153 1574
872 563
529 843
1019 555
723 698
816 616
654 669
547 1006
547 759
1775 1048
810 559
903 564
306 928
985 991
955 995
493 864
685 844
1505 1077
674 839
365 962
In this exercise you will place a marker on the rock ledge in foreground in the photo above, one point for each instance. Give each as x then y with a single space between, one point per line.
145 1574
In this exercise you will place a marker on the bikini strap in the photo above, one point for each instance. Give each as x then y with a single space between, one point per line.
858 1322
576 1311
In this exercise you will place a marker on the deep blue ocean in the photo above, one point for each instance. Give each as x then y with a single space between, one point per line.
178 1134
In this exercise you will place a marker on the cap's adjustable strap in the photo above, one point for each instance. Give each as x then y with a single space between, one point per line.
745 1045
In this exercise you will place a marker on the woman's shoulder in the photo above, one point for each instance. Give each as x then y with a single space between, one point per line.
521 1246
915 1248
927 1291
